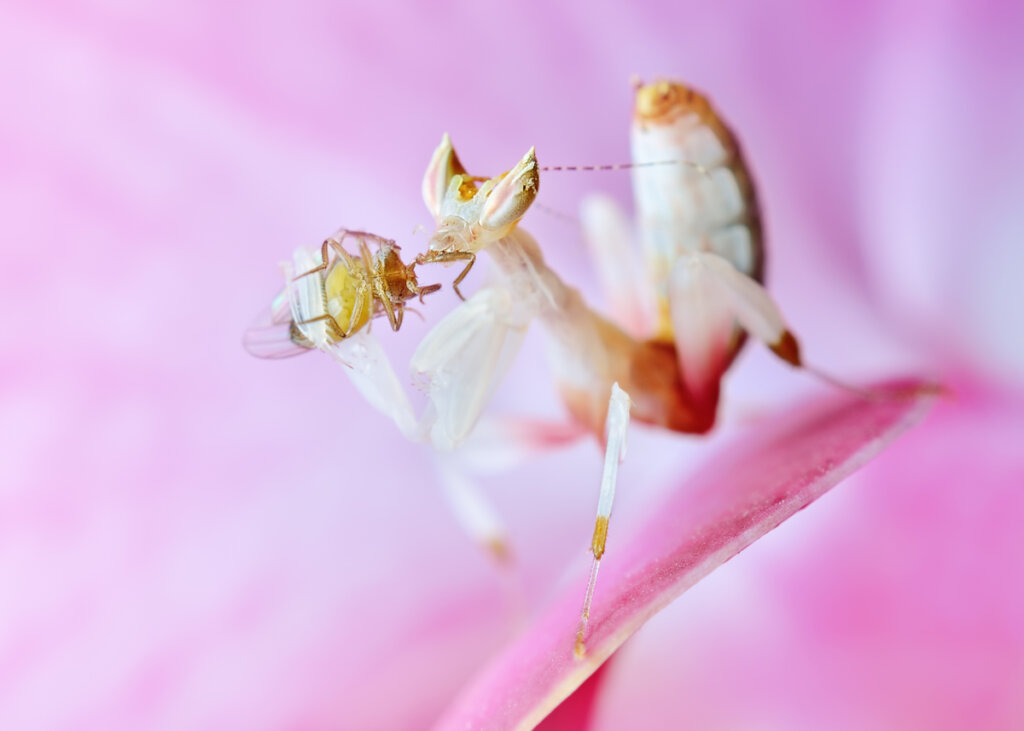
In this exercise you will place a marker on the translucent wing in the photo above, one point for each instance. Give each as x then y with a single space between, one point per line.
272 334
289 325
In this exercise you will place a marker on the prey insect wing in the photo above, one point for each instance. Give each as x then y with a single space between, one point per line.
330 295
272 334
308 301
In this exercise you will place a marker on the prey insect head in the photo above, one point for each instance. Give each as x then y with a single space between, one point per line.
339 293
398 279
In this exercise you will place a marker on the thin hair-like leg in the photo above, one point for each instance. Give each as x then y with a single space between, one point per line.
615 451
478 517
414 286
458 280
443 257
334 243
358 302
394 319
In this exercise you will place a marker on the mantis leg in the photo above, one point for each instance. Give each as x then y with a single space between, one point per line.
753 308
463 358
615 451
443 257
607 232
473 510
370 371
458 279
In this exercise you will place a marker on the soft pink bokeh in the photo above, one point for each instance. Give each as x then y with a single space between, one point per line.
191 538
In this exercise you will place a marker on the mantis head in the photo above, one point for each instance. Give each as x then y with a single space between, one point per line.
472 212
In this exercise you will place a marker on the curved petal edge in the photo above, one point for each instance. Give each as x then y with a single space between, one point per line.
744 491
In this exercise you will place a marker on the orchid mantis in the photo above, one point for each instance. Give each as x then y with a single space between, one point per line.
700 227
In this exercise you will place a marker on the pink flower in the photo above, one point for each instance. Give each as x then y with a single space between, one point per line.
193 539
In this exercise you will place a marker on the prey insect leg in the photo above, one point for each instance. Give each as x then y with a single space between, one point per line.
359 302
349 262
414 287
421 292
328 242
615 451
389 309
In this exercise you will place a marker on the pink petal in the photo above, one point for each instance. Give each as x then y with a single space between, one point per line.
737 498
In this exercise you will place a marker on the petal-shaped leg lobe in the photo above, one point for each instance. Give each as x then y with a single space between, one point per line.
607 232
703 328
709 300
370 371
463 359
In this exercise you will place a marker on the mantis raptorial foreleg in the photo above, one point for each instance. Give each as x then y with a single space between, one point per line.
615 451
464 357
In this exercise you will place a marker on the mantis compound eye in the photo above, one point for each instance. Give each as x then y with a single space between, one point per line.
444 165
513 194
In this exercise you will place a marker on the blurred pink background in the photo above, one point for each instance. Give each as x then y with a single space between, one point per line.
193 538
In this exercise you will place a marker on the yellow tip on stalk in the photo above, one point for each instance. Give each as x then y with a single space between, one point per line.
600 536
579 649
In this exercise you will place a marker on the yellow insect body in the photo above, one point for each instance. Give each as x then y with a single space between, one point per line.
345 291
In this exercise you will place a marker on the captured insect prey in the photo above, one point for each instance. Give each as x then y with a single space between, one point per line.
329 300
